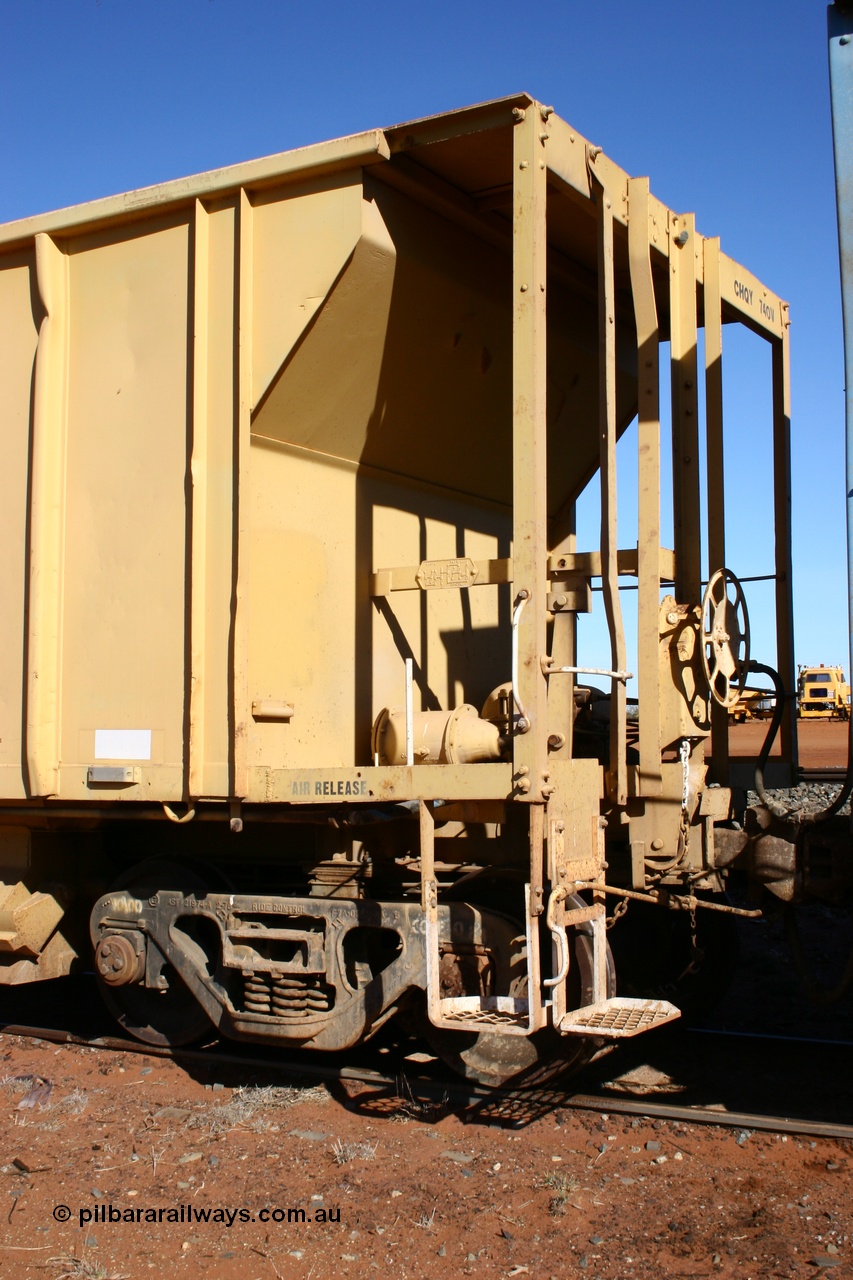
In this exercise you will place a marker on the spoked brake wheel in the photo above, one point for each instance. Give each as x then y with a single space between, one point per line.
725 638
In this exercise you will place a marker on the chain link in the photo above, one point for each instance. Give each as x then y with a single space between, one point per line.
684 826
696 953
684 757
618 911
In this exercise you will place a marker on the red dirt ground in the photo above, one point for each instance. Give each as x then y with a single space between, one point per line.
409 1193
822 743
571 1193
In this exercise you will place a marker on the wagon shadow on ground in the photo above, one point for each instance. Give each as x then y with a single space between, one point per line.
758 1066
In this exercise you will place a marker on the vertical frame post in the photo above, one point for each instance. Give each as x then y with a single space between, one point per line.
782 520
242 433
47 522
617 775
648 451
429 906
715 470
534 902
529 268
685 421
198 473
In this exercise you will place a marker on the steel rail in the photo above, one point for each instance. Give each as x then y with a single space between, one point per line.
769 1035
708 1115
832 773
455 1091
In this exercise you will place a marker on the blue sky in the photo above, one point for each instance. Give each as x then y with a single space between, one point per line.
725 106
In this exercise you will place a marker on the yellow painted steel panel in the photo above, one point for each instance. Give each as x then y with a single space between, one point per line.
301 589
336 415
124 617
302 240
416 332
218 535
318 528
18 339
459 640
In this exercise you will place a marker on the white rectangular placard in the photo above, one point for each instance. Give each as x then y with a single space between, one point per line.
122 744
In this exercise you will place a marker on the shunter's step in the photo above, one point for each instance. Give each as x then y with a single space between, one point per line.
618 1017
477 1011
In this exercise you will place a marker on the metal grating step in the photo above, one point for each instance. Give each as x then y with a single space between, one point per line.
618 1017
486 1017
495 1011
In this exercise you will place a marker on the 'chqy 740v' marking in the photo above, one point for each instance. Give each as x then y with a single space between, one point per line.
745 294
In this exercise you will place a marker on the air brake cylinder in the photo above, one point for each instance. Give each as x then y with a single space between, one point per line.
460 736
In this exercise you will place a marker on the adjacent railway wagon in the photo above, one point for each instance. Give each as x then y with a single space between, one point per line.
296 730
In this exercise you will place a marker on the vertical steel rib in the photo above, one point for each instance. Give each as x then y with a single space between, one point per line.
242 433
529 435
715 468
198 473
617 778
47 521
782 520
648 472
685 423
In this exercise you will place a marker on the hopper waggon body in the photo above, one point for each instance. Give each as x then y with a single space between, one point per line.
295 717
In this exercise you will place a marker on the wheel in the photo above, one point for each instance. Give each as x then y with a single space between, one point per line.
169 1016
492 1059
725 638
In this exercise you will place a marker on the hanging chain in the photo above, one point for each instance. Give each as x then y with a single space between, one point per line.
696 952
618 911
684 827
684 757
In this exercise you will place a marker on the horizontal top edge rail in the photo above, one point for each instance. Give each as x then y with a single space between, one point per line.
568 154
319 158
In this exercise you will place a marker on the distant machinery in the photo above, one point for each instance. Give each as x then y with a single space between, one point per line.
822 693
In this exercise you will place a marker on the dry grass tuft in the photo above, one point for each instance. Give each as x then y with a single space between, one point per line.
254 1108
426 1110
564 1186
346 1151
81 1269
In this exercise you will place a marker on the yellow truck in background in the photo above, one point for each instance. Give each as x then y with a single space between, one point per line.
823 693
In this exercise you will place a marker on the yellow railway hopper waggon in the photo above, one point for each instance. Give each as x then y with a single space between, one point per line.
296 734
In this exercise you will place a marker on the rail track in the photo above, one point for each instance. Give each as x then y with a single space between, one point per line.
834 773
432 1093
